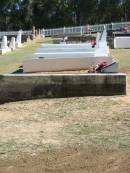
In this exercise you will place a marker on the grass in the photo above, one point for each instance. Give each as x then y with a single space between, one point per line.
123 56
48 124
11 61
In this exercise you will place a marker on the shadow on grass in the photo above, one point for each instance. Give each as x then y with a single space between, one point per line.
18 71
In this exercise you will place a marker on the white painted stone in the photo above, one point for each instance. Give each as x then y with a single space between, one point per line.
4 43
67 49
104 34
102 52
98 37
121 42
43 33
68 46
12 43
4 47
19 39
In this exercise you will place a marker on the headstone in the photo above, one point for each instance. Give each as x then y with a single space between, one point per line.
33 32
12 43
4 45
98 39
103 40
18 39
43 33
104 34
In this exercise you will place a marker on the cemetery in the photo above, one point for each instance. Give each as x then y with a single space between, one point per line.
58 60
64 95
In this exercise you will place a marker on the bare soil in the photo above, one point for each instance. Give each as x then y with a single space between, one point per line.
70 135
71 161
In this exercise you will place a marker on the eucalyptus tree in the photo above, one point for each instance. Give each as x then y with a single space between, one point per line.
109 11
52 13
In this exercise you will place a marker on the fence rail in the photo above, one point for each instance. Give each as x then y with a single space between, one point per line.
78 30
84 29
14 33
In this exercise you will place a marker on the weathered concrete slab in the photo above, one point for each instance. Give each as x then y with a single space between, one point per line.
23 87
62 62
122 42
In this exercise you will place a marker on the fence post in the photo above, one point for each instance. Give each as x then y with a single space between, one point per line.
81 30
64 30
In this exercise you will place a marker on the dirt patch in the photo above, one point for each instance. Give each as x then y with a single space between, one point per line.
71 161
30 132
32 127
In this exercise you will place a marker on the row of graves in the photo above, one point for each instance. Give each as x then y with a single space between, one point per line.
12 44
54 71
72 57
14 40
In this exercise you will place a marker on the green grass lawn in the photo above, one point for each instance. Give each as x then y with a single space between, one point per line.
11 61
123 56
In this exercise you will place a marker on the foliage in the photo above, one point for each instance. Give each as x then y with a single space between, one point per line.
22 14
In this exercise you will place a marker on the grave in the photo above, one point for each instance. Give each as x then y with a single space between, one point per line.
12 44
62 57
4 46
19 39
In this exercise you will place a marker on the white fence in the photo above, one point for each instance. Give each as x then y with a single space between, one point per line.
73 30
3 33
83 29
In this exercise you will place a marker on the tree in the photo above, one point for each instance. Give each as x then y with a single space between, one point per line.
88 11
7 8
109 11
53 13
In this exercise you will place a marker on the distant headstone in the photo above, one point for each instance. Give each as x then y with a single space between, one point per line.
12 43
98 39
103 40
4 43
104 34
33 31
43 33
18 39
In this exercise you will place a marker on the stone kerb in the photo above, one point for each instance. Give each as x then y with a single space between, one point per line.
36 86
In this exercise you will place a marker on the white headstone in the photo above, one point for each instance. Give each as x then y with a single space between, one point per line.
4 43
18 39
12 43
104 34
98 39
103 40
4 46
43 33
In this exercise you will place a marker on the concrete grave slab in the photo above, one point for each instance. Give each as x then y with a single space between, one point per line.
15 87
